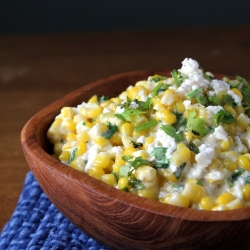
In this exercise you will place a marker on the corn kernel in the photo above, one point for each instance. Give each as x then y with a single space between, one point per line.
109 179
230 109
67 112
239 110
219 208
179 106
169 97
116 139
71 137
145 173
177 199
234 204
126 129
237 92
101 141
246 192
243 162
96 172
225 145
229 165
102 160
81 148
93 99
181 155
243 121
225 198
150 193
134 91
148 141
122 183
168 116
64 156
193 192
58 148
166 174
78 164
129 151
83 136
69 125
207 203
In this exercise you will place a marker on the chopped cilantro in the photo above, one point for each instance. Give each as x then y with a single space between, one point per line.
126 104
181 123
171 131
224 116
177 77
196 125
156 89
103 98
136 144
199 182
179 170
194 93
135 162
161 161
228 99
237 173
177 186
112 128
84 123
129 114
73 155
146 125
157 78
214 99
135 183
248 180
124 171
193 147
143 105
202 100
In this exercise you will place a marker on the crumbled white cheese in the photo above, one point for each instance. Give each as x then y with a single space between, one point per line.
190 67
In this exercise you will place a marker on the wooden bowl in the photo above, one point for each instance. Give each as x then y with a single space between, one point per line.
115 218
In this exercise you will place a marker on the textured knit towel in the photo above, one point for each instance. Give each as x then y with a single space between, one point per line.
36 224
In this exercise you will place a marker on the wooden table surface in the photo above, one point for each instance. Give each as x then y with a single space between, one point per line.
38 69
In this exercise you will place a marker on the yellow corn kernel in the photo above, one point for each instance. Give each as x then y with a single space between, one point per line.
129 151
230 129
220 94
230 109
169 97
81 148
93 99
229 165
188 136
57 149
234 204
67 112
246 192
119 161
102 160
134 91
243 162
220 208
193 192
109 179
145 173
150 193
66 146
157 104
93 113
239 110
216 164
83 136
141 83
225 145
168 116
96 172
243 121
181 155
177 199
225 198
71 137
116 168
116 100
247 155
78 164
142 153
69 125
229 155
116 139
122 183
64 156
101 141
105 104
207 203
126 129
179 106
166 174
237 92
148 141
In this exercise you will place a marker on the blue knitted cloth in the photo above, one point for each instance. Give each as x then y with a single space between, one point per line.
36 224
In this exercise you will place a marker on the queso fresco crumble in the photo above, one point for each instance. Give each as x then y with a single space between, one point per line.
182 139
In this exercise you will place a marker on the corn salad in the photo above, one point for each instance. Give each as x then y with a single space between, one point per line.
183 139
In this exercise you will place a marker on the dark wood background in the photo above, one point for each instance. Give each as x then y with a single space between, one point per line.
37 69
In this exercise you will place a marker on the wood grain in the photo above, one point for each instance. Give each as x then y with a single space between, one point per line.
35 70
103 211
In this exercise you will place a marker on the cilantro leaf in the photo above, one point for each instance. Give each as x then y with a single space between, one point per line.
103 98
223 116
157 78
135 183
193 148
112 128
135 162
194 93
179 171
143 105
124 171
159 153
196 125
156 89
136 144
177 77
171 131
129 114
73 155
237 173
214 99
228 99
146 125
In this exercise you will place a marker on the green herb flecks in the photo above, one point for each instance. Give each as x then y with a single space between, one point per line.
237 173
73 155
112 128
193 147
228 99
196 125
177 77
179 171
224 117
130 114
146 125
161 160
156 89
157 78
171 131
194 93
103 98
136 184
136 144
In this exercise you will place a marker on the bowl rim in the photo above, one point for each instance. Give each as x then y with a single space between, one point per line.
29 139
